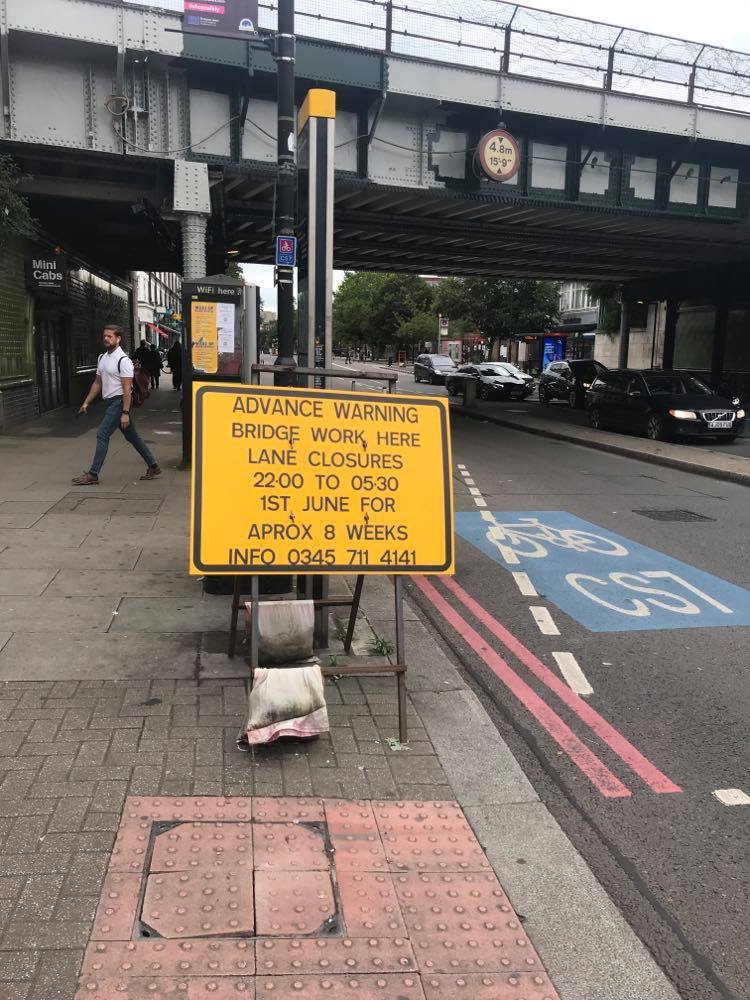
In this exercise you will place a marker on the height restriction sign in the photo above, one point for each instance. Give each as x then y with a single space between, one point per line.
319 481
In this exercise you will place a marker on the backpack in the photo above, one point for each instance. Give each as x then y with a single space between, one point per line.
141 383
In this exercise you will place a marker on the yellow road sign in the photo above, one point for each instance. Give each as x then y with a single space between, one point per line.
319 481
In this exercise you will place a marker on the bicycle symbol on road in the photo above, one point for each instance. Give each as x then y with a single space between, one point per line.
604 581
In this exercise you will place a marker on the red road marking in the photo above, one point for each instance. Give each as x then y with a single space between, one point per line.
595 770
625 750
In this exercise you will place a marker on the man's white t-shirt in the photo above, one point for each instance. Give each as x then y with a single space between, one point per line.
107 370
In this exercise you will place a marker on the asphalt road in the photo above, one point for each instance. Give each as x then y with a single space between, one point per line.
630 769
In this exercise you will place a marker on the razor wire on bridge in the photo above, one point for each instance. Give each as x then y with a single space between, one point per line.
525 41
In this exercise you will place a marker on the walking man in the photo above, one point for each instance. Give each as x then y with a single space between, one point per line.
114 380
174 360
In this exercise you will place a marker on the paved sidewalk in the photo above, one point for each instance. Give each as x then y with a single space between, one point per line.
117 703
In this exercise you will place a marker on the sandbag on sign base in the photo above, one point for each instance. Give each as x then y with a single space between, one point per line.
286 702
285 630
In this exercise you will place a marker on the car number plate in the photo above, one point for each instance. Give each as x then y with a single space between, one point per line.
720 425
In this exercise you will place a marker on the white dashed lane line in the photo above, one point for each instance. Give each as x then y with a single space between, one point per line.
732 797
574 676
544 621
525 585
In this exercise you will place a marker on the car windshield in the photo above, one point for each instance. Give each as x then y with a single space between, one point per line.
492 371
677 385
512 370
442 362
585 369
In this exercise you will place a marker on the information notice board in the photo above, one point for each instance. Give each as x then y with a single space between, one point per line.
319 481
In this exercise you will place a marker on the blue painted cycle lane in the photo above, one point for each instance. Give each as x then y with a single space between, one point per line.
604 581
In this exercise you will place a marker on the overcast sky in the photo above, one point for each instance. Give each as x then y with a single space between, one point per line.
723 22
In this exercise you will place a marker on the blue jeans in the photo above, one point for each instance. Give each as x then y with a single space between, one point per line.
110 423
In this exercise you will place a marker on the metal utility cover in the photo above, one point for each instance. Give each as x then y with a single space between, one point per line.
673 515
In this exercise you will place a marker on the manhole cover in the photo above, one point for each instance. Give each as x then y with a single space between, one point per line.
673 515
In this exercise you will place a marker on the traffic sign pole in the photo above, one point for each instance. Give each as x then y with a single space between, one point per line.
286 182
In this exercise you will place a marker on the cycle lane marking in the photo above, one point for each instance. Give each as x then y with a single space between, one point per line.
605 781
604 581
619 744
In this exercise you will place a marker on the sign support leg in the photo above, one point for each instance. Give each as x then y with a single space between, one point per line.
398 588
354 612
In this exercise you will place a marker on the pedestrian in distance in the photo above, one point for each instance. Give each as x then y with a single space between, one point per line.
154 367
114 380
142 355
174 360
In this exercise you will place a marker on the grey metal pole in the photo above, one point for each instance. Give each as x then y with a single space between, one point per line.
286 184
250 333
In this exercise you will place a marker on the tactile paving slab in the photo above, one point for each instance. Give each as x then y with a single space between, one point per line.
355 837
428 837
312 898
288 847
204 903
188 846
292 903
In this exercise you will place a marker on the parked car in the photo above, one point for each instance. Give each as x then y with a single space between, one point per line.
495 380
663 404
568 380
433 368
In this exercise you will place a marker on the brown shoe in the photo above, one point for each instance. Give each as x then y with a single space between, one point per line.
86 479
151 472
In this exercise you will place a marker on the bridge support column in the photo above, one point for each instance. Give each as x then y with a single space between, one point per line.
622 360
193 228
721 324
670 330
192 202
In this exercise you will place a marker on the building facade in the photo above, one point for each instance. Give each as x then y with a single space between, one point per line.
52 310
158 305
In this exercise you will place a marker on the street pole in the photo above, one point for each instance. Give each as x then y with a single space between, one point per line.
286 183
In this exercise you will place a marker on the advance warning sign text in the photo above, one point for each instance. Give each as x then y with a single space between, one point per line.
319 481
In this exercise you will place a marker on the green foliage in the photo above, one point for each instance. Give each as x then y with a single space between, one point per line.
234 270
372 308
418 328
380 647
14 210
499 307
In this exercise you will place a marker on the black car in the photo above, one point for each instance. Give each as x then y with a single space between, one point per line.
568 380
433 368
495 380
662 404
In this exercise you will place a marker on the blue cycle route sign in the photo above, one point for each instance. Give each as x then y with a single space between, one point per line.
605 581
286 251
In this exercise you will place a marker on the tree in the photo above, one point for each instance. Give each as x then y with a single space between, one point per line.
234 270
15 217
421 327
499 307
371 308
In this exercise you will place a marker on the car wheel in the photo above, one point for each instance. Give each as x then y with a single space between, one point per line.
573 399
543 397
433 380
595 418
655 428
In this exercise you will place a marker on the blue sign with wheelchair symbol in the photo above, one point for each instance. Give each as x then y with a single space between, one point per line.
604 581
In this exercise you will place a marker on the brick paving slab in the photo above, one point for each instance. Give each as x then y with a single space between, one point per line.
241 897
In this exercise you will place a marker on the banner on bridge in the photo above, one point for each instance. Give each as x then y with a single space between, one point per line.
224 18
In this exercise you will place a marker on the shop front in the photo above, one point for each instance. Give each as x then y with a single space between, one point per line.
52 310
